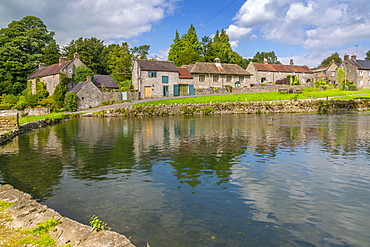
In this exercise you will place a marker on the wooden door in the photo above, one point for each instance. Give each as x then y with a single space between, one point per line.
147 92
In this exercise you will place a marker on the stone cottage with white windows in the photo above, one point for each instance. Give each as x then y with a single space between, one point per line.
50 75
264 72
218 75
358 71
156 79
326 73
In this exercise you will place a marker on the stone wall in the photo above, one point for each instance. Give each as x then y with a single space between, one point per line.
253 89
264 107
109 96
27 214
9 121
37 111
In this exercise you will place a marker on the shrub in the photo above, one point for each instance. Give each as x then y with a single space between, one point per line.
283 81
5 106
60 91
9 99
70 101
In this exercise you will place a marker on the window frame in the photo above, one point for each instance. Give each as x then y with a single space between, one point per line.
152 74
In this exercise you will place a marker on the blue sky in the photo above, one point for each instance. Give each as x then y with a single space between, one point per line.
306 30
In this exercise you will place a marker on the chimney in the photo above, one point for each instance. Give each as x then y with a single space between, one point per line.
353 57
88 78
76 55
346 57
291 62
62 60
265 61
218 62
41 65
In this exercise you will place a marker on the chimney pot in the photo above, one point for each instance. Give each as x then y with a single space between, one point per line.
62 60
41 65
88 78
76 55
353 57
265 61
346 57
291 62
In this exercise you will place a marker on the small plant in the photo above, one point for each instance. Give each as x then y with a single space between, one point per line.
97 224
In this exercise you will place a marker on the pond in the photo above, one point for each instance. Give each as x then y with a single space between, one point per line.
235 180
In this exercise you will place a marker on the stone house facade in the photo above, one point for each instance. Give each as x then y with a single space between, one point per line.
50 75
156 79
327 73
88 94
218 75
358 71
264 72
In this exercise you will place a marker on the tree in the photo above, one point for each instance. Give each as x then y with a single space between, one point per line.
332 58
51 53
120 62
91 52
60 91
367 56
70 101
21 49
341 78
81 74
261 56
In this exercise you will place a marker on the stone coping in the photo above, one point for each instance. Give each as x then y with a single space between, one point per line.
27 213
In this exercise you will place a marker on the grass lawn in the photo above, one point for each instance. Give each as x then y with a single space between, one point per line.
52 116
308 93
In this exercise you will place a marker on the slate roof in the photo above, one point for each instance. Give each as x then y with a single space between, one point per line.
106 80
184 73
282 68
212 68
153 65
49 70
78 86
361 64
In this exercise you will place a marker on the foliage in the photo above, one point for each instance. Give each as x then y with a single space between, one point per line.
53 116
70 101
321 84
51 53
21 49
97 224
126 86
81 74
9 98
367 56
261 56
341 78
283 81
60 91
291 79
41 89
296 81
5 205
332 58
26 100
39 236
119 62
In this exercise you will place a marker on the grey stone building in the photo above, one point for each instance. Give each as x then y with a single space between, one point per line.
88 94
327 73
50 75
358 71
156 79
218 75
264 72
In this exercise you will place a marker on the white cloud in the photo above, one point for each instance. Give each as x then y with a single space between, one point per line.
104 19
317 25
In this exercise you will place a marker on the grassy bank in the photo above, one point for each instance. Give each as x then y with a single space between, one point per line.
52 116
307 93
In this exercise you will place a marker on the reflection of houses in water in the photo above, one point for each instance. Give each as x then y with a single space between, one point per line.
11 147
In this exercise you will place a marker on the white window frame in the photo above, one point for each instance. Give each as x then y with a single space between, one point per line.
361 72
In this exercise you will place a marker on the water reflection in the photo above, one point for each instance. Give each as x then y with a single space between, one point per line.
249 180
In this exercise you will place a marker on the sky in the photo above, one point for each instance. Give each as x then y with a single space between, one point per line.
306 31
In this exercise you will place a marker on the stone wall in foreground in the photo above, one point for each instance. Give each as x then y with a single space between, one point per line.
260 107
27 213
9 121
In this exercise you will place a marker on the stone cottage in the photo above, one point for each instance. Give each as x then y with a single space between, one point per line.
88 94
105 83
156 79
264 72
50 75
218 75
358 71
327 73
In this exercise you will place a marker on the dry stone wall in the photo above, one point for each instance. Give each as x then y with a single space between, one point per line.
9 121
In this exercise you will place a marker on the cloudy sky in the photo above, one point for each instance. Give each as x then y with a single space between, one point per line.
306 30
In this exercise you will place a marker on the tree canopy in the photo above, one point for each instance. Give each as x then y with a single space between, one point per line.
261 56
332 58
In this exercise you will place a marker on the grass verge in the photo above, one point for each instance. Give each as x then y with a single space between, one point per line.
52 116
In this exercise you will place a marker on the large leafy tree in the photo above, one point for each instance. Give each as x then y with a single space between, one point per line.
91 52
367 56
332 58
261 56
51 53
21 49
119 62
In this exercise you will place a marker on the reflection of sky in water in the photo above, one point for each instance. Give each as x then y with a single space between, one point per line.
248 180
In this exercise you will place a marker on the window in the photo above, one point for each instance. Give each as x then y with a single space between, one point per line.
279 73
215 78
303 74
361 83
229 78
241 78
152 74
164 79
361 72
332 73
268 72
202 78
293 73
237 84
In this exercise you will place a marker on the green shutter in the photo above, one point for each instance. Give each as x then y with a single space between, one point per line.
175 89
191 89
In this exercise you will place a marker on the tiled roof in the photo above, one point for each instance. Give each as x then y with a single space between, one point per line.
49 70
184 73
212 68
153 65
106 80
78 86
361 64
281 68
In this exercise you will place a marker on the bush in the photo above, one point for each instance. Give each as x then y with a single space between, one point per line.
70 101
283 81
5 106
9 99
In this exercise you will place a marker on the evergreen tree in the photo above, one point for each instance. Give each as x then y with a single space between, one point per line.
51 53
367 56
120 62
81 74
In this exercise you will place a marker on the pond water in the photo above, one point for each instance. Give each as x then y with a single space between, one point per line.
239 180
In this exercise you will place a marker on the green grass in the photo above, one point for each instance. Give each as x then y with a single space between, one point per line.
52 116
306 94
